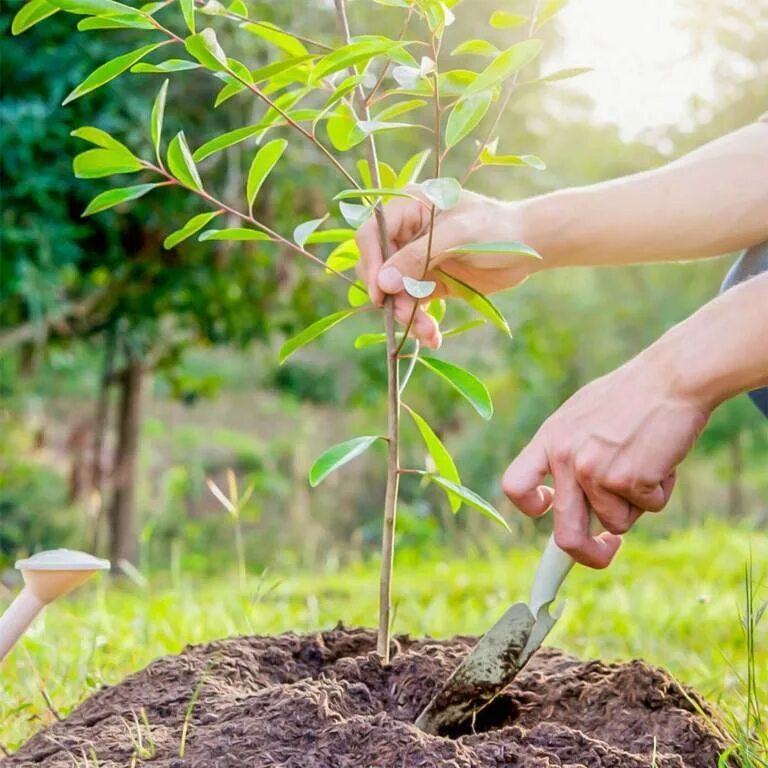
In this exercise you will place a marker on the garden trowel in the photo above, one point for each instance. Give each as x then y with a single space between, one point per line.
501 652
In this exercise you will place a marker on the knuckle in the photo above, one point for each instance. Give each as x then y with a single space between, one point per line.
621 480
569 541
584 468
561 455
512 486
615 525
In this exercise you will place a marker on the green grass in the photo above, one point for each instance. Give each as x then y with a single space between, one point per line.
674 602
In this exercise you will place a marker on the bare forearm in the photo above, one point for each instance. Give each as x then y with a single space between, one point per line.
709 202
721 350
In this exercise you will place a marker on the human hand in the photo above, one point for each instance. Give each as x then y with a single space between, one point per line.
613 447
474 219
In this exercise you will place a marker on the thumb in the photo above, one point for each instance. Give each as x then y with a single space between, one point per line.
411 260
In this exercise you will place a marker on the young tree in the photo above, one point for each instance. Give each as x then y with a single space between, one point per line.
333 99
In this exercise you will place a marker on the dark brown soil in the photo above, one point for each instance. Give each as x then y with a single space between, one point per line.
325 701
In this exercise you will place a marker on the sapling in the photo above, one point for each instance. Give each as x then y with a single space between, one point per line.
336 97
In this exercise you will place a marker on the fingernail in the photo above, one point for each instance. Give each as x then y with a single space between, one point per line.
390 280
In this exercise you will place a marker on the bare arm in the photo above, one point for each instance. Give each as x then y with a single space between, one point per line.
614 446
711 201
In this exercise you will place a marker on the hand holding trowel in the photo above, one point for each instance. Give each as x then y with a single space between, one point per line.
502 651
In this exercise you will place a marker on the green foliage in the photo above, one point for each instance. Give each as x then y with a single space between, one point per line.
465 383
339 455
310 333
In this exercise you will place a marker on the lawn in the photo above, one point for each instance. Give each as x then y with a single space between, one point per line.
674 602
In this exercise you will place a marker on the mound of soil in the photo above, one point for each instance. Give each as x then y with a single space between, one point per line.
326 701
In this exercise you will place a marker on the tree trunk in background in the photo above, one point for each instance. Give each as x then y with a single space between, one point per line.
735 485
100 423
27 359
123 525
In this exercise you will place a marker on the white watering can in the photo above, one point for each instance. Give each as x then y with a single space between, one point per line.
47 575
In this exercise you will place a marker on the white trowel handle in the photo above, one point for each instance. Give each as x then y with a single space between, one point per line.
17 618
553 567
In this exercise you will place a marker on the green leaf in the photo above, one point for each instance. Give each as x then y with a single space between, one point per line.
341 129
470 498
437 308
113 197
443 460
564 74
465 116
344 256
303 231
239 7
357 295
277 37
514 248
285 102
206 49
226 140
550 8
443 192
412 168
97 163
265 160
369 339
100 139
395 110
95 7
30 14
504 20
122 21
477 301
464 382
109 71
337 456
477 47
345 87
279 68
349 194
367 127
350 55
170 65
355 215
504 65
234 233
181 164
489 158
188 12
194 225
331 236
463 328
419 289
310 333
156 118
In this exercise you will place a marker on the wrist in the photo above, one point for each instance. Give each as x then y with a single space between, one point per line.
681 363
545 223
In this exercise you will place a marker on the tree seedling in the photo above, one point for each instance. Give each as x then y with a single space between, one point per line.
334 98
47 575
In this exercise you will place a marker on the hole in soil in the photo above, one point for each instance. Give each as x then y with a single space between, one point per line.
499 713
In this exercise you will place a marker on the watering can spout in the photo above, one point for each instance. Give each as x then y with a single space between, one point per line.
47 575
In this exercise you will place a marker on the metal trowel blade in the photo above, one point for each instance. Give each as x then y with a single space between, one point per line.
493 662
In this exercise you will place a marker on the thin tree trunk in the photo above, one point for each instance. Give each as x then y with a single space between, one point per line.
123 524
99 433
736 486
